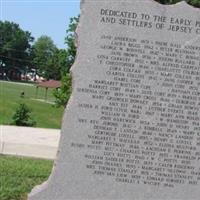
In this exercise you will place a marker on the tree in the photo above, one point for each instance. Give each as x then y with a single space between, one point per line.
195 3
57 64
67 58
22 116
44 51
70 41
62 94
15 47
62 60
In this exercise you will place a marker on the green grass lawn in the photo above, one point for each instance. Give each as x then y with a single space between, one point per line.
45 114
19 175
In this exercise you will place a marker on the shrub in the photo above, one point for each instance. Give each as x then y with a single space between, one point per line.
22 116
62 94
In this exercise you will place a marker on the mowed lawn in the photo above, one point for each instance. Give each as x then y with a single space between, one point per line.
19 175
45 114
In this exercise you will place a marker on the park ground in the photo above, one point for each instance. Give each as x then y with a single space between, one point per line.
18 175
44 112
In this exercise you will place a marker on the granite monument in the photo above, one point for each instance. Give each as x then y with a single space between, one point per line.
131 130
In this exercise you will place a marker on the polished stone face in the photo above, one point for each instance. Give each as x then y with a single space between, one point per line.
132 127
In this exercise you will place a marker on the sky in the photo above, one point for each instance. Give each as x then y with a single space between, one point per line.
41 17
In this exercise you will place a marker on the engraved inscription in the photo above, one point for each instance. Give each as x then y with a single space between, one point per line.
158 80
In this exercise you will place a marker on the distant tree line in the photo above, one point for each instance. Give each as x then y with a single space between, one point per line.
19 52
15 47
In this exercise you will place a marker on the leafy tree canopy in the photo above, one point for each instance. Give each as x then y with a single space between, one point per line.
15 45
43 52
70 41
57 64
195 3
62 94
67 58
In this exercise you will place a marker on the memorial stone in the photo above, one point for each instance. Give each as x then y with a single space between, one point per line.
131 130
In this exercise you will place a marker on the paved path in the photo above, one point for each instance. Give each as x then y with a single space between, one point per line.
30 142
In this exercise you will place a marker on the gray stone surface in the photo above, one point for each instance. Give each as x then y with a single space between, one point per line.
131 130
